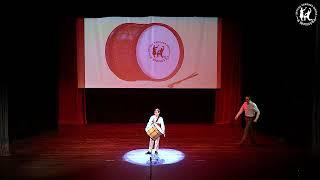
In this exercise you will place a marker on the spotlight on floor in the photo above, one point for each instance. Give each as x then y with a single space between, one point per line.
165 156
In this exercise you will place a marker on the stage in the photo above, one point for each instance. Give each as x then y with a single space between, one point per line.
96 151
113 71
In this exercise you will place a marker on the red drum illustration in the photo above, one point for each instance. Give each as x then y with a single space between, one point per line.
151 52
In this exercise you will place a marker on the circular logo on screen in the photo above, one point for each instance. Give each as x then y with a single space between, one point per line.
306 14
159 51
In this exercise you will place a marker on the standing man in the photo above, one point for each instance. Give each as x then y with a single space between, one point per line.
252 114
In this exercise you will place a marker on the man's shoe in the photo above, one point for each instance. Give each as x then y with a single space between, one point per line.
148 152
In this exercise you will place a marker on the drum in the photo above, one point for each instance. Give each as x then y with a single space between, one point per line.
152 52
154 132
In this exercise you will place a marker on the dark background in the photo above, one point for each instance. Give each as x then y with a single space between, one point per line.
137 105
278 60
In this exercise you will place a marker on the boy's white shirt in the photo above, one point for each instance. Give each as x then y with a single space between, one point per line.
153 119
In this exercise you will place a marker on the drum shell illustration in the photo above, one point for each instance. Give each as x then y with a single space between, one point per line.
154 132
129 52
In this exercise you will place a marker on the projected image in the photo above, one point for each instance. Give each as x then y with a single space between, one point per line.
151 52
144 52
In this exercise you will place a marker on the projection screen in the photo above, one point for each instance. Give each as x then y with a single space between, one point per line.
151 52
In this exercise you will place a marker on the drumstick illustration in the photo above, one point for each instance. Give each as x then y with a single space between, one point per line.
177 82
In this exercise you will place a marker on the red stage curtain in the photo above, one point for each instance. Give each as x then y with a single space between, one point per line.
228 97
71 98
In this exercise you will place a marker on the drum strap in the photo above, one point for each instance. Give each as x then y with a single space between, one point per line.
157 120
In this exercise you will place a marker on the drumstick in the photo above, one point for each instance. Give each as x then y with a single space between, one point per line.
177 82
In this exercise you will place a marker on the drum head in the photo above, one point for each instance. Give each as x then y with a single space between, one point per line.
159 130
158 52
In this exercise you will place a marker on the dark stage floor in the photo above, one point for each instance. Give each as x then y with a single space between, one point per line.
95 152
